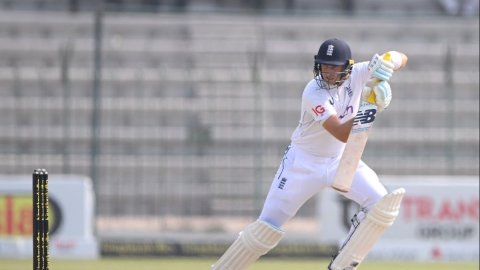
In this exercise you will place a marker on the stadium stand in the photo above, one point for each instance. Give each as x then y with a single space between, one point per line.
209 100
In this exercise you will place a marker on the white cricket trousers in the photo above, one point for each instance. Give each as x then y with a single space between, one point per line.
301 175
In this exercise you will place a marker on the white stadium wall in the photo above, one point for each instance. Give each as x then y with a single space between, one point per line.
71 212
438 220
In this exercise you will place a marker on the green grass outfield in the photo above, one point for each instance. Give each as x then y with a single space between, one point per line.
202 263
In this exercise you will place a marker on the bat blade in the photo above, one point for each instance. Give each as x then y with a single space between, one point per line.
354 147
356 142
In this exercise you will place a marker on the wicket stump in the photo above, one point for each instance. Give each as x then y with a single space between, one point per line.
40 219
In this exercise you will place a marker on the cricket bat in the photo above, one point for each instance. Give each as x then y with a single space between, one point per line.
356 142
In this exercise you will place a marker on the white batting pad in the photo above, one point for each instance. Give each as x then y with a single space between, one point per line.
254 241
378 219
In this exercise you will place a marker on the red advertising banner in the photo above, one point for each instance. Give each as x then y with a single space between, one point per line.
15 215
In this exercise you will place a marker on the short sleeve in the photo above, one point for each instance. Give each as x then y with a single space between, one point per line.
318 106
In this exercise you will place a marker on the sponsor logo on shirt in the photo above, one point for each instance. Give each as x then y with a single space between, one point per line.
319 110
348 110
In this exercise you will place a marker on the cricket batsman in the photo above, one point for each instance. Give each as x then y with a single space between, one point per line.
330 102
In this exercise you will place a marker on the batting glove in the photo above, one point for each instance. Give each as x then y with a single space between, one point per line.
378 93
380 68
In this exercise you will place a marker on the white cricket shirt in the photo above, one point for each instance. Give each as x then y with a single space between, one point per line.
318 104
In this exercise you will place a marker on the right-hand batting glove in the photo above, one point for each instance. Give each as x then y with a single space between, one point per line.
380 68
382 93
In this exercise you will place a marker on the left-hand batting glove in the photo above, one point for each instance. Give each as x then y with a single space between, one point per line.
380 68
382 93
